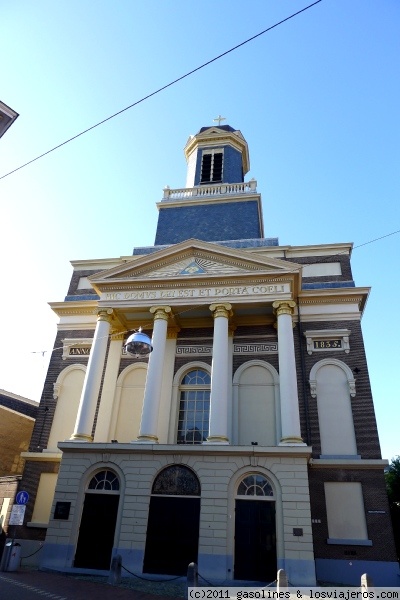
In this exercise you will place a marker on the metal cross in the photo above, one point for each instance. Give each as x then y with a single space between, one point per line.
219 119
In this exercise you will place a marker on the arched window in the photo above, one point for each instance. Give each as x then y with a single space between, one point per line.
255 485
194 407
176 480
173 526
104 481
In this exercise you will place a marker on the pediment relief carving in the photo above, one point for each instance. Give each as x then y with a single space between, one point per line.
194 261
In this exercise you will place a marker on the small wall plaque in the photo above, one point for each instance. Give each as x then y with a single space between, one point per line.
61 510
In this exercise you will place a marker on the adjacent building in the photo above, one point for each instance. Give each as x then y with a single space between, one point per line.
17 417
7 117
246 441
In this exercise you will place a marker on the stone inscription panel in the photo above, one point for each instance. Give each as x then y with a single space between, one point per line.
210 293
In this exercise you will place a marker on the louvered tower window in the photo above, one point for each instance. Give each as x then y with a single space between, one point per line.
211 167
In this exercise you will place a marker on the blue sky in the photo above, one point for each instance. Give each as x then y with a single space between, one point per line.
317 100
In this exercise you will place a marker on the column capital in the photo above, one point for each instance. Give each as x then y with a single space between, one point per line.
117 335
284 307
172 333
160 312
105 314
223 309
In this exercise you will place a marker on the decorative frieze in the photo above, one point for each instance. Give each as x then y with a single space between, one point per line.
238 348
256 348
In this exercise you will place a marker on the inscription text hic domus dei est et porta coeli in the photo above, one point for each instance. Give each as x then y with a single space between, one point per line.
209 292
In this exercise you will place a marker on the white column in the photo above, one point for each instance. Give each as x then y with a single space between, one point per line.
104 419
91 384
291 433
152 391
219 375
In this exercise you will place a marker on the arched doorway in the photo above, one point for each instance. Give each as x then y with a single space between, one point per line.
255 530
173 525
99 516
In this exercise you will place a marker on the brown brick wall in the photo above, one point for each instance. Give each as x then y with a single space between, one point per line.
48 404
379 526
343 259
73 285
362 404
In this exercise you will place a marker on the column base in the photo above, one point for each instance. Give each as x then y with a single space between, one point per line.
217 439
81 437
146 439
292 440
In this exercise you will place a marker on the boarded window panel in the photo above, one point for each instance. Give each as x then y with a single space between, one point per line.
345 511
44 498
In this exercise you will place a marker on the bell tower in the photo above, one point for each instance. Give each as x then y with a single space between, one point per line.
216 204
216 154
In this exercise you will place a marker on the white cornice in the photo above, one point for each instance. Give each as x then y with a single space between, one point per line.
201 200
42 456
16 397
351 295
74 308
182 449
99 263
343 463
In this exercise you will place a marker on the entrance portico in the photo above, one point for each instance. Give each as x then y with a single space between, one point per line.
247 290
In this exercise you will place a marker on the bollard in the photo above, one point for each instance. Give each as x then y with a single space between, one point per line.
281 580
114 577
366 582
192 577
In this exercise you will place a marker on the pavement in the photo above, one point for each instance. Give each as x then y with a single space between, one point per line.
59 586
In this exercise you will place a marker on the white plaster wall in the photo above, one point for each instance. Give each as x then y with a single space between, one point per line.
164 414
256 407
321 269
44 498
84 284
219 476
71 380
129 407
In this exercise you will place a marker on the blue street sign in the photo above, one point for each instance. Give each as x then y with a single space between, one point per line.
22 497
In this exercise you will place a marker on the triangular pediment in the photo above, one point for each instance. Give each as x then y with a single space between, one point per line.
194 259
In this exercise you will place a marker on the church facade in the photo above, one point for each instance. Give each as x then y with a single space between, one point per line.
246 440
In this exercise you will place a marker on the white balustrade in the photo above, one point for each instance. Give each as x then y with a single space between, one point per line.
221 189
